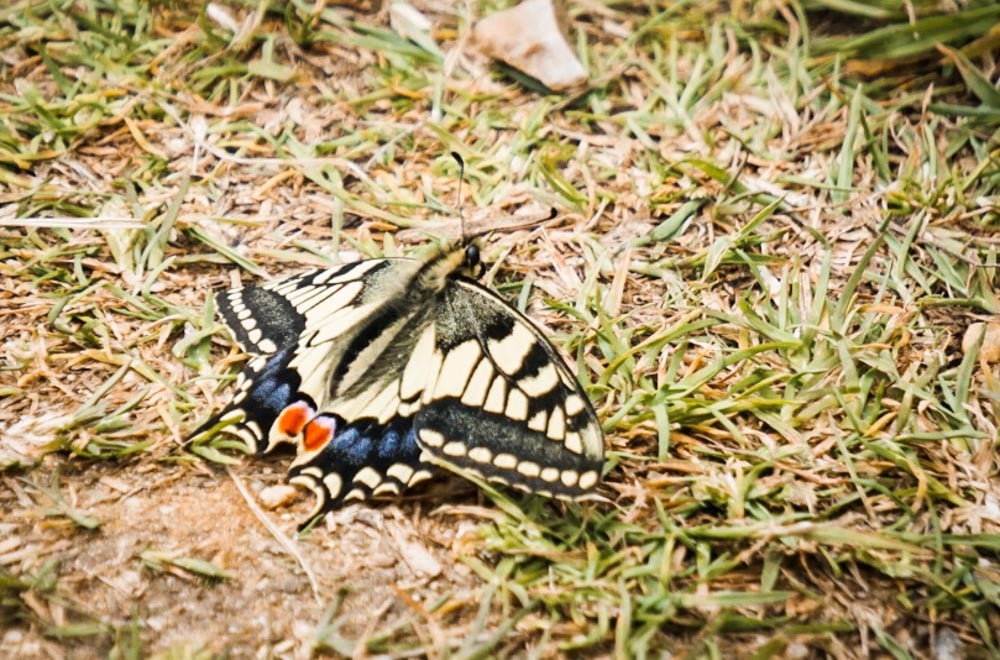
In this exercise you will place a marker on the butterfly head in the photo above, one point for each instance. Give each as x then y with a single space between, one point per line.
472 264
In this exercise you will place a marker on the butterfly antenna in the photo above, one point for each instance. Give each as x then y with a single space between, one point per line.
461 176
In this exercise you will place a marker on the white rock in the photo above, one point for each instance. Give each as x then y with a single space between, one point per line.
273 497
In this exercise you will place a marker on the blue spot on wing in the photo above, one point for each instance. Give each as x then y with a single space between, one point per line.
273 394
351 447
392 444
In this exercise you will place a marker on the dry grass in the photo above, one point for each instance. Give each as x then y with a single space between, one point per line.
776 223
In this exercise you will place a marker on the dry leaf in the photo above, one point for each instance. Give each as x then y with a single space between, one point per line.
989 352
528 37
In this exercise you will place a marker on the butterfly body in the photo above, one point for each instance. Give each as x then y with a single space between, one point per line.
383 370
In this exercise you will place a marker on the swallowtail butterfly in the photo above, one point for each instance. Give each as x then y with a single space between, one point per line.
382 370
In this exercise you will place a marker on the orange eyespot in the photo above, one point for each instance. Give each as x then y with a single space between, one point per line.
318 432
294 417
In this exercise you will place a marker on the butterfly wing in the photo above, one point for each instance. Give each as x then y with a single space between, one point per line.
378 377
472 386
503 404
277 322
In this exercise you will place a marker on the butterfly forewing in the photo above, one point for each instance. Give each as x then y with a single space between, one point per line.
383 369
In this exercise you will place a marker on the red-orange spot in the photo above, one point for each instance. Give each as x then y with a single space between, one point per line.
318 432
293 418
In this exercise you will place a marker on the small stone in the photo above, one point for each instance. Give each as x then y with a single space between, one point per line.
418 558
273 497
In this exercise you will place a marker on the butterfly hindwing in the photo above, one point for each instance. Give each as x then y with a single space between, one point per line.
362 458
504 405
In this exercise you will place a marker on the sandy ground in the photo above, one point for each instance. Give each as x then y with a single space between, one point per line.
387 562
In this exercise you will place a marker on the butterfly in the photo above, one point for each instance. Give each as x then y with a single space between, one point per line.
381 371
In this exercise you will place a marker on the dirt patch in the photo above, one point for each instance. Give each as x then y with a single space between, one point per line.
385 563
